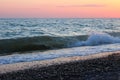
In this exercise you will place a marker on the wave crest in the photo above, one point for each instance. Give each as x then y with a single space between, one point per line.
50 42
98 39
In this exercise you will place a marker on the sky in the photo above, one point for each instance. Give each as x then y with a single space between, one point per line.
59 8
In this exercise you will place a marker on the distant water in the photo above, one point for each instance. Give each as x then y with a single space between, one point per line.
15 28
30 35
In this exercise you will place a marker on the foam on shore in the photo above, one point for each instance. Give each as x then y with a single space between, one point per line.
46 63
52 54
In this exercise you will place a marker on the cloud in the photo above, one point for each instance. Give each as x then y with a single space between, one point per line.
85 5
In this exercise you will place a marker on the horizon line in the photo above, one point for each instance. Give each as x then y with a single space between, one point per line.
60 17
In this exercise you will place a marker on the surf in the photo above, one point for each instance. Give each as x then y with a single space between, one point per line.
43 43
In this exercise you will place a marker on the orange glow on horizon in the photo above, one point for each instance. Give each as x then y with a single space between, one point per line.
60 8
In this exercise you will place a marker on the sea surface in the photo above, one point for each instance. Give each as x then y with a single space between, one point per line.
33 39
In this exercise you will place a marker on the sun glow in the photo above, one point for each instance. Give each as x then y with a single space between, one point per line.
60 8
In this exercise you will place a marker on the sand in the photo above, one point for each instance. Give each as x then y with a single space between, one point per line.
101 66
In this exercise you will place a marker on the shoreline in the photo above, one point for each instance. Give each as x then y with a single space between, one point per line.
92 67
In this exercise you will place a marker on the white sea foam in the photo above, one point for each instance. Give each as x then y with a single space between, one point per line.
98 39
76 51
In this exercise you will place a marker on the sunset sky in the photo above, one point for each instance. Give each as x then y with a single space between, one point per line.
60 8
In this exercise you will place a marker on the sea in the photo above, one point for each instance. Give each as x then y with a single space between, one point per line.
36 39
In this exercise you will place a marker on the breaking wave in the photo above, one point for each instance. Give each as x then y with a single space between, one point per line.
49 42
98 39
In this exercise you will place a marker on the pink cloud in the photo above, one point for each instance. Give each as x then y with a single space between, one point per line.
85 5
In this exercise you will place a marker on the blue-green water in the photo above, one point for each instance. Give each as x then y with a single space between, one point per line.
73 37
14 28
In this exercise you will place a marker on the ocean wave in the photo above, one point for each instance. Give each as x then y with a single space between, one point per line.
52 54
50 42
98 39
37 43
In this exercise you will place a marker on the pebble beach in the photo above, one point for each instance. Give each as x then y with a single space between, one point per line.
101 66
